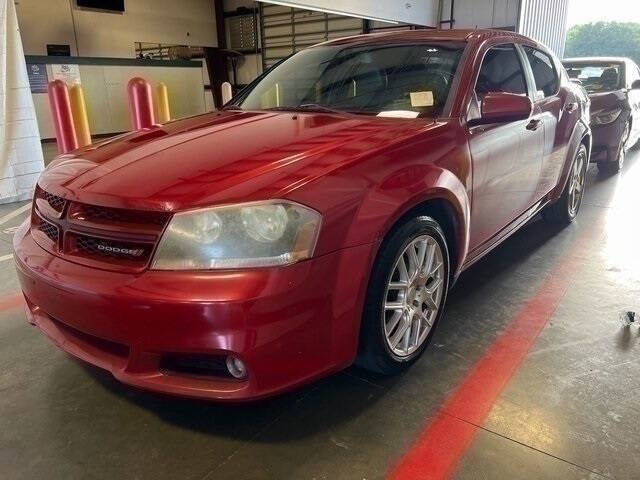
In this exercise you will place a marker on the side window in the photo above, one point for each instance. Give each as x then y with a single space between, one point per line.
501 71
544 73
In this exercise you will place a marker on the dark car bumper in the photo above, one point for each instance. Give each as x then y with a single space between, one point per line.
606 140
289 325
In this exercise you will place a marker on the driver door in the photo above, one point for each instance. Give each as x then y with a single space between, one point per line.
507 157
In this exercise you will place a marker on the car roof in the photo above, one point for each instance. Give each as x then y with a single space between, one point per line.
596 60
460 35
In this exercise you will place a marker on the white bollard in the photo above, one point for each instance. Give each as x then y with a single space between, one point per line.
227 93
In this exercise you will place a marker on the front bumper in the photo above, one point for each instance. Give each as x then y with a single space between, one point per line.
289 325
606 140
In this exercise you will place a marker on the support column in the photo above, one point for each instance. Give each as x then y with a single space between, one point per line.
21 159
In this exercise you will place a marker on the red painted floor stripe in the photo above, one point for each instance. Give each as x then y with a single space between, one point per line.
10 302
439 447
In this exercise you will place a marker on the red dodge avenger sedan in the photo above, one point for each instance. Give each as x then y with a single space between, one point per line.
318 220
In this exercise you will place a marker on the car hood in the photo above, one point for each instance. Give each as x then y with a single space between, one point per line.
220 157
607 101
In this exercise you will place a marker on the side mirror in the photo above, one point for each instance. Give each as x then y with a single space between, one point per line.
635 85
504 107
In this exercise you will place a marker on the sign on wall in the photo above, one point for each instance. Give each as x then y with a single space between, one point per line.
55 50
68 73
38 77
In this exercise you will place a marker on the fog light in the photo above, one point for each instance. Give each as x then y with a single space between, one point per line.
236 367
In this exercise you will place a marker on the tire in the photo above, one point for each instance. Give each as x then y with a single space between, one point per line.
414 302
566 208
612 168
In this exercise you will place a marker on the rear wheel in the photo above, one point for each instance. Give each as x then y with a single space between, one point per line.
406 294
566 208
614 167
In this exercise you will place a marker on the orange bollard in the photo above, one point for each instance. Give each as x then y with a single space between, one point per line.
140 103
162 97
62 116
80 118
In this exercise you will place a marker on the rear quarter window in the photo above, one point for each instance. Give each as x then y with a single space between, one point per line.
544 72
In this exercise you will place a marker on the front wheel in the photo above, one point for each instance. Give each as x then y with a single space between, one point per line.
405 298
566 208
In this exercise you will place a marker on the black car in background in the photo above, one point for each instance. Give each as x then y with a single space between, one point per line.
613 85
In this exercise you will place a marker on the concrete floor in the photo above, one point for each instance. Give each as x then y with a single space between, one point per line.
570 411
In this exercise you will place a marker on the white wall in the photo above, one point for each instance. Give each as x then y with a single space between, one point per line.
546 21
481 13
100 34
542 20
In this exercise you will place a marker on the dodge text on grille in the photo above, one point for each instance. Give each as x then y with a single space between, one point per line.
135 252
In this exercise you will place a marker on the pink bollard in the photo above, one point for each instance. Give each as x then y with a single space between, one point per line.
62 116
140 103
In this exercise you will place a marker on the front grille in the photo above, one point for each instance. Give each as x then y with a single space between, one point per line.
107 248
118 215
57 203
49 230
105 237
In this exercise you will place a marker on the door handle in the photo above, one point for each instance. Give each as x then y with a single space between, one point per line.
570 107
534 124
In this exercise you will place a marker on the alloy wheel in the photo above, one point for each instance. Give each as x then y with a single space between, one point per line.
576 187
413 295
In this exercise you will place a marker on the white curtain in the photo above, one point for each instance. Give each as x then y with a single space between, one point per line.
21 159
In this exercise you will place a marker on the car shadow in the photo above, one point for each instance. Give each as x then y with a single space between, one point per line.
243 421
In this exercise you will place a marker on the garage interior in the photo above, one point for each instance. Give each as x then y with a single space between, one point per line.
531 374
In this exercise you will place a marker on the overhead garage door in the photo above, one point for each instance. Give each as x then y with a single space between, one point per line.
286 30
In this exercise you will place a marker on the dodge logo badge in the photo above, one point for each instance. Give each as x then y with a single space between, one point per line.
134 252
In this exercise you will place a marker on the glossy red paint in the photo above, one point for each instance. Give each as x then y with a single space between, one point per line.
268 317
362 173
505 107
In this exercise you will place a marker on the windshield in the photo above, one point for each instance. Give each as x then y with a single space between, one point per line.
597 77
386 80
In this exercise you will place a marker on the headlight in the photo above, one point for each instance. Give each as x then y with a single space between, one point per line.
258 234
604 118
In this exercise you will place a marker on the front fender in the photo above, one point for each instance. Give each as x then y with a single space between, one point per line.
413 188
580 131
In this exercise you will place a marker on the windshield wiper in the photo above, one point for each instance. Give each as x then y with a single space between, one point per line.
314 107
308 107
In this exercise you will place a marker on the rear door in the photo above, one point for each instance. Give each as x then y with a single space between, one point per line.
557 118
506 157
